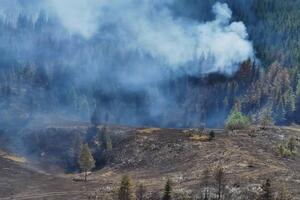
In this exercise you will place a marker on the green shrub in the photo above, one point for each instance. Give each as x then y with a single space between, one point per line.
266 119
291 145
284 151
237 121
287 149
211 135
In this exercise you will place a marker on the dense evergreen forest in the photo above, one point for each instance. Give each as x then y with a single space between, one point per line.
35 75
273 27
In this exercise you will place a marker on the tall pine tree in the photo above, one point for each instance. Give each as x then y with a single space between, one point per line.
126 191
168 191
86 160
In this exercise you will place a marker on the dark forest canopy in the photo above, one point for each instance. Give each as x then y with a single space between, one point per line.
46 70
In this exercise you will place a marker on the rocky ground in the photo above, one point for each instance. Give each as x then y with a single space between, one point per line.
149 155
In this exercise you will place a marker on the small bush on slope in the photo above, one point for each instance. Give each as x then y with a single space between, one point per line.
237 121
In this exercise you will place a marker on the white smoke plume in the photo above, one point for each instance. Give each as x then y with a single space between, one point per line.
150 27
215 46
133 60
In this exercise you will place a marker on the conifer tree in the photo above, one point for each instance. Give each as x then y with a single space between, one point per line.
168 191
106 139
126 191
86 160
76 148
266 119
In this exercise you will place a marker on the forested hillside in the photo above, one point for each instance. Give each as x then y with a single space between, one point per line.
273 27
43 70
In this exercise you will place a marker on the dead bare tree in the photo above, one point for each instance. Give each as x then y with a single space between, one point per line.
220 181
206 181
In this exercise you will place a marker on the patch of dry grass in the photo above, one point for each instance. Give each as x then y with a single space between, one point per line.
15 158
292 128
12 157
199 138
148 130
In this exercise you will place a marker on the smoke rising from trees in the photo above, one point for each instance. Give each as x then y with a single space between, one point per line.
126 59
151 27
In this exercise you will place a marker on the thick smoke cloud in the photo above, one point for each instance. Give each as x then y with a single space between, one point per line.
130 60
78 16
218 46
150 27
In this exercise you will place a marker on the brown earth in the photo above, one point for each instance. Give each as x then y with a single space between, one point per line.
150 156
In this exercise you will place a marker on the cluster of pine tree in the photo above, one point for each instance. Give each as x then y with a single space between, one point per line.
214 186
273 27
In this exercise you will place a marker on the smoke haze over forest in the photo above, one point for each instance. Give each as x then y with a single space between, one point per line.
151 28
116 50
129 61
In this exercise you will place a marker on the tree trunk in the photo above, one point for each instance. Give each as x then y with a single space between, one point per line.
219 190
85 175
206 195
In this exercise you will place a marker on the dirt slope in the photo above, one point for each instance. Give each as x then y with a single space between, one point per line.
151 156
249 157
20 182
